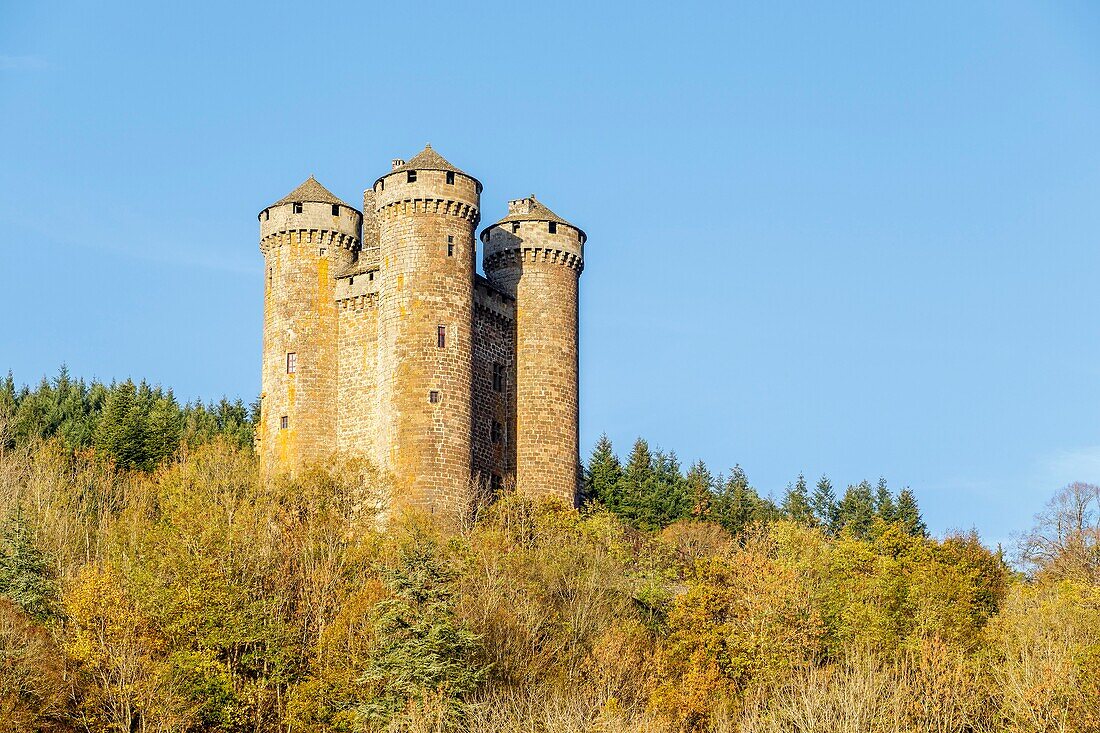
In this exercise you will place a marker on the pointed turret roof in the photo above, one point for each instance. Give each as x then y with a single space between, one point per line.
311 190
429 160
531 209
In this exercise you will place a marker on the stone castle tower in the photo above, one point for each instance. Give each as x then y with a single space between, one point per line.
381 340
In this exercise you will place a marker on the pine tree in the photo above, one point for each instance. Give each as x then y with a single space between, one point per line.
604 475
700 489
796 502
908 514
857 510
824 506
162 430
884 502
735 506
120 433
25 576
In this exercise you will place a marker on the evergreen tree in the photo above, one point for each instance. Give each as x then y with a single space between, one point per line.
796 502
884 502
667 498
25 576
699 484
824 506
162 430
120 433
604 475
857 510
420 646
908 514
737 505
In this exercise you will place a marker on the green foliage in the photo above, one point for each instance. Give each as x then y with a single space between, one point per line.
604 475
422 653
136 425
825 509
25 576
796 503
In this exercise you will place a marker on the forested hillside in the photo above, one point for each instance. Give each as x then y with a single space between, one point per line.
151 581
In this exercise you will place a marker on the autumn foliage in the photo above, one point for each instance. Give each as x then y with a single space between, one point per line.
197 597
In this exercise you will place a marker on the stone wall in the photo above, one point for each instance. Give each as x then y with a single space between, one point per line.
425 286
541 269
357 388
494 344
301 251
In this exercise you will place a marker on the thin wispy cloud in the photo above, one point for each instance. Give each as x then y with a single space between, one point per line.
1074 464
22 63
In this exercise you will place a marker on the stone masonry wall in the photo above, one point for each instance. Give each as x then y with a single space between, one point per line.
357 389
542 270
426 445
494 343
301 251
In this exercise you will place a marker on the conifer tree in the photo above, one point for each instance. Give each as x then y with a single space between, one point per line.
857 510
737 504
908 514
604 475
700 490
25 576
796 502
884 502
824 506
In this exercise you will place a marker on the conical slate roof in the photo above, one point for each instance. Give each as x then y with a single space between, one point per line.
531 209
311 190
429 160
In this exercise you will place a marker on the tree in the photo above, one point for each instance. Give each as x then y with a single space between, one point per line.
907 512
604 475
796 503
824 505
884 502
737 504
25 576
1065 541
857 510
423 658
700 489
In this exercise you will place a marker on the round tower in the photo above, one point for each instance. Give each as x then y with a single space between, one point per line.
427 211
306 238
536 256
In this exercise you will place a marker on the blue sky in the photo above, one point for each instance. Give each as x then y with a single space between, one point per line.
853 238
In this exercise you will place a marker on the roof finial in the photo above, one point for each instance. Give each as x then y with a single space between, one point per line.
427 145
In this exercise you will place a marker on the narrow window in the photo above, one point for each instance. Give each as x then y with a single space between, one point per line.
336 209
297 207
267 214
553 227
450 246
498 377
441 337
370 276
515 227
495 433
580 237
351 281
450 177
322 252
284 422
382 185
433 396
270 274
411 176
291 362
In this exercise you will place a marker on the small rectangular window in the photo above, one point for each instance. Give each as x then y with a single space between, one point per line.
495 433
450 177
450 250
441 337
297 207
433 396
411 176
336 209
498 377
351 281
382 185
553 227
322 252
267 214
284 422
515 227
370 276
291 362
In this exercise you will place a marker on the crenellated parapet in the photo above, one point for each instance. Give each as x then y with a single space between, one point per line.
505 258
320 237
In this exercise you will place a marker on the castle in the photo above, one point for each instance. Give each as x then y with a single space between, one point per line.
382 340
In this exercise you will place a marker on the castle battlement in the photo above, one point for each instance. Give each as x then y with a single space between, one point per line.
380 338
